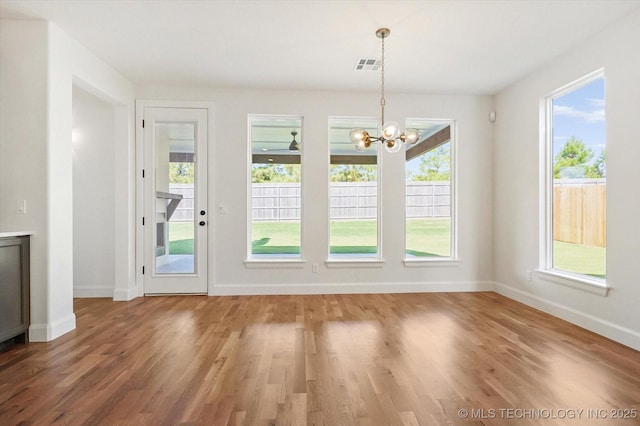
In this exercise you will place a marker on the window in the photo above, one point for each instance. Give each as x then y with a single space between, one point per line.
576 180
353 192
429 191
275 203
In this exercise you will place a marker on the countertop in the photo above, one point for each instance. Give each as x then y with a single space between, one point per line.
15 234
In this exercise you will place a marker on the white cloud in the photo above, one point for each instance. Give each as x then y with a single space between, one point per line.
598 103
590 116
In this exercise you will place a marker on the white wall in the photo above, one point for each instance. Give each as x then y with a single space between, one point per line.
228 154
23 144
93 196
517 201
39 66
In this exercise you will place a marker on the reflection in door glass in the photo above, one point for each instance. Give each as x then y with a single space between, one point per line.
175 184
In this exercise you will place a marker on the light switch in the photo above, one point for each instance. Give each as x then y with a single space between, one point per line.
21 207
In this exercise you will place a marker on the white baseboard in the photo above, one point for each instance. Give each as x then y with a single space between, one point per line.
118 294
50 331
600 326
348 288
91 292
38 333
124 294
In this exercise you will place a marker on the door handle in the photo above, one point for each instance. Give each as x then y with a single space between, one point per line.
202 223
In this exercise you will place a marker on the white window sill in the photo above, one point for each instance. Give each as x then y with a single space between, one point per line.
429 262
350 262
595 286
274 263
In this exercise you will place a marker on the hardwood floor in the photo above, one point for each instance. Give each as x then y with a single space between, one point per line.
404 359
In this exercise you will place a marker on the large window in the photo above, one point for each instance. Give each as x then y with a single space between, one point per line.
576 180
275 203
429 191
353 192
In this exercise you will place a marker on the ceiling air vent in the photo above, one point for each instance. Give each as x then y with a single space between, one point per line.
368 65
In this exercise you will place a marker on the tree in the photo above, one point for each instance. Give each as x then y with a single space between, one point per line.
353 173
279 173
599 168
181 172
434 165
291 172
572 161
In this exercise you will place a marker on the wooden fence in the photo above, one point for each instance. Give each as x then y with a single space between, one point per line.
184 211
275 201
348 200
353 200
428 199
579 214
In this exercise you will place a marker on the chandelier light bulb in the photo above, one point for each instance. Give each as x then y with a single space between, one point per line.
393 145
361 146
411 136
357 135
390 130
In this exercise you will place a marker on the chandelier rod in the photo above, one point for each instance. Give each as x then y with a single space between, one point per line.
382 33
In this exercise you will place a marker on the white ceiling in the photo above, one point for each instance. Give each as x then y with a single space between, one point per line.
462 47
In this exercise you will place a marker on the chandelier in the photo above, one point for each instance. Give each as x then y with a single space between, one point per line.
391 137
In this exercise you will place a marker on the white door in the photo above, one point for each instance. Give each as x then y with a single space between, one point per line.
175 200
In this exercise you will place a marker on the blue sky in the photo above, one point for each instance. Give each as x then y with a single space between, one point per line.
580 114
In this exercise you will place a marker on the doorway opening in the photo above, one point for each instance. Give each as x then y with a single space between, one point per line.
93 173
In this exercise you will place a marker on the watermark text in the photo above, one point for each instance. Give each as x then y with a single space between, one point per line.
548 413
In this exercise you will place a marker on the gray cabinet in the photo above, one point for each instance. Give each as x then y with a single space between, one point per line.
14 289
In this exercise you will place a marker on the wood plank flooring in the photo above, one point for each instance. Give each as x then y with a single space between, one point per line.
404 359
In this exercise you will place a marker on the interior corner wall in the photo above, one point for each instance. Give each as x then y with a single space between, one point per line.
39 64
517 189
71 63
228 186
23 145
93 196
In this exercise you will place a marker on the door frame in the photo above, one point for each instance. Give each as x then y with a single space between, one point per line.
139 193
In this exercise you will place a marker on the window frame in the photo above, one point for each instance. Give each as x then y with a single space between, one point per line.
279 261
453 259
546 271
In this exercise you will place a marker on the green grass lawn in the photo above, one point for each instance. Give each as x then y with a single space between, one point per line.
275 238
429 237
580 259
353 237
180 237
284 237
425 237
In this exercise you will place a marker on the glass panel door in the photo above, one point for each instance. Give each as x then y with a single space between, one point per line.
175 200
